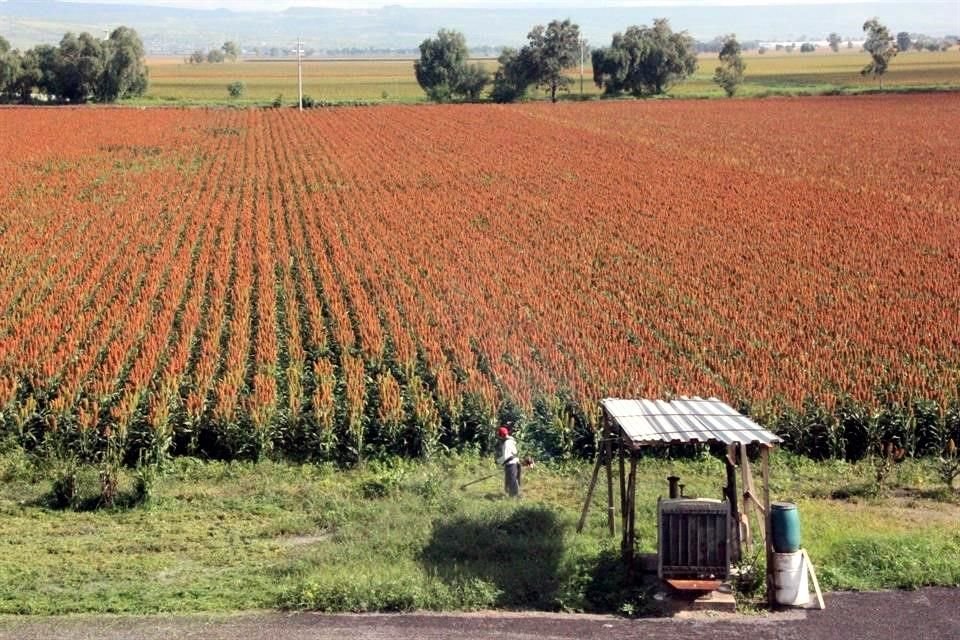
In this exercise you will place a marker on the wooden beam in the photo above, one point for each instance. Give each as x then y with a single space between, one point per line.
755 500
813 574
631 515
745 481
733 500
623 488
610 508
593 485
768 536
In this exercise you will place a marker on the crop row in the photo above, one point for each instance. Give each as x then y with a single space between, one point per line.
344 282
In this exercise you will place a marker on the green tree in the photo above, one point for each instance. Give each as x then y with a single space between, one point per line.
729 74
903 41
644 60
551 50
215 56
28 77
807 47
880 46
124 69
442 70
834 40
473 79
197 57
9 69
441 63
78 66
231 50
513 77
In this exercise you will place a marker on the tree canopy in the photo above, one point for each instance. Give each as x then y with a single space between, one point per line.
834 41
442 70
644 60
729 75
903 41
9 68
231 50
880 46
80 68
549 51
124 71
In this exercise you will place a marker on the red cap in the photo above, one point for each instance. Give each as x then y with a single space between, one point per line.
503 432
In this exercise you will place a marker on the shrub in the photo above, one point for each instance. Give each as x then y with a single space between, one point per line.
237 88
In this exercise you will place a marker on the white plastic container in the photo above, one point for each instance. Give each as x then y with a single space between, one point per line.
790 578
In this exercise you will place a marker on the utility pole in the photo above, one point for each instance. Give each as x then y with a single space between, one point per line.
583 48
300 72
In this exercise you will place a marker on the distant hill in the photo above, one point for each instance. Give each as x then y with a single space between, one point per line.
178 31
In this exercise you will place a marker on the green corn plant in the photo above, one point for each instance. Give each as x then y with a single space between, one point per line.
948 465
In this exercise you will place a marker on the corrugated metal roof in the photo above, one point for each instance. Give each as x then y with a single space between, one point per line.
646 422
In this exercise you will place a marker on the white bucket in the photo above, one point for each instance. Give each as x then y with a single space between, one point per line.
790 578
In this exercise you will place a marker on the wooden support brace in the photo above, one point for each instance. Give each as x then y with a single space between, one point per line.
610 507
816 583
768 538
593 485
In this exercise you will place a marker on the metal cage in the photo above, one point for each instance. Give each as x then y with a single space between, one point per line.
693 540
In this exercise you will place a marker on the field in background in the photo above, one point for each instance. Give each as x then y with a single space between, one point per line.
172 81
348 282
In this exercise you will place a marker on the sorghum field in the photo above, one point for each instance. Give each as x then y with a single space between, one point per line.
342 282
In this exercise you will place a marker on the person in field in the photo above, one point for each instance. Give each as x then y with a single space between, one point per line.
508 457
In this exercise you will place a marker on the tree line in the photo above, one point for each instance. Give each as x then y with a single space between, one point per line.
640 61
228 51
81 68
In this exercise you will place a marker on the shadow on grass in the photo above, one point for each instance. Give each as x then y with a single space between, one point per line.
517 550
82 492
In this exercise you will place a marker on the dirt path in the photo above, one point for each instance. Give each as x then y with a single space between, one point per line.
927 614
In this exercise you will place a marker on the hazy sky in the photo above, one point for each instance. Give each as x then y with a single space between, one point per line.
279 5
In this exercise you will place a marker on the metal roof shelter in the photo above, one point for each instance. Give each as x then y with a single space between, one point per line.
630 425
686 420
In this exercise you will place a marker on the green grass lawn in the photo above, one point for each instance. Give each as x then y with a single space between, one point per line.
403 535
174 82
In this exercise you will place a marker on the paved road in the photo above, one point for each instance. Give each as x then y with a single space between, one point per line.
927 614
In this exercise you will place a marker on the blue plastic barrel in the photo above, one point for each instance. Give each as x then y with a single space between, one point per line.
785 521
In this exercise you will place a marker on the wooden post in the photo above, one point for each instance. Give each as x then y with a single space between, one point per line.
593 485
632 506
768 534
610 508
744 472
623 488
734 500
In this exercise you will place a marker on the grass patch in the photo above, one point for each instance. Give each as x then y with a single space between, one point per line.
402 535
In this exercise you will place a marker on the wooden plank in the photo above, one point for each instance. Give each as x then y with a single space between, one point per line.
623 493
632 507
609 465
768 537
732 498
813 574
746 481
593 485
756 501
